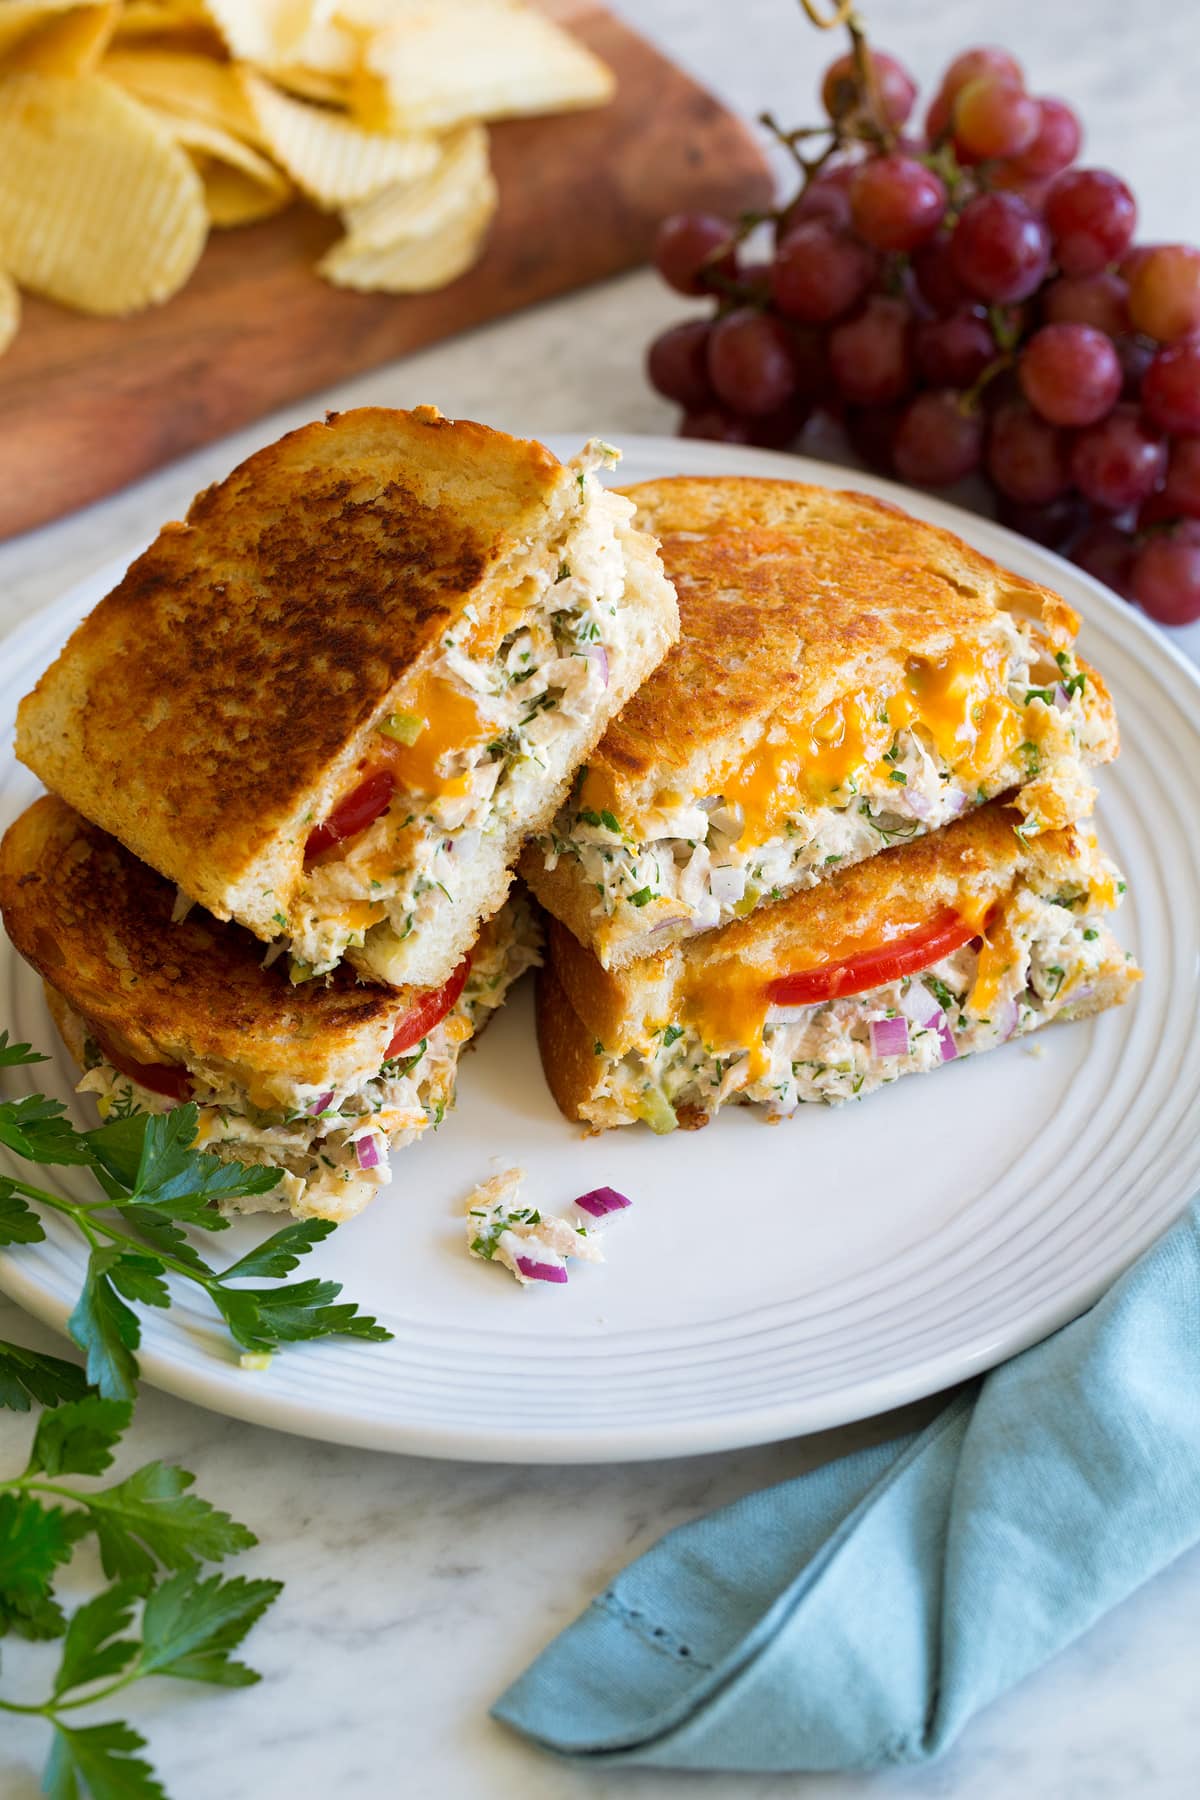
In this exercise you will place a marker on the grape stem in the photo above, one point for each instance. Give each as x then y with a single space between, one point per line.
841 15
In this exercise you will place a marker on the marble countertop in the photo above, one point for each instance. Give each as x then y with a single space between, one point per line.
415 1590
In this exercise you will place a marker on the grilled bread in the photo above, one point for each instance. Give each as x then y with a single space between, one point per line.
333 702
847 678
158 1008
963 939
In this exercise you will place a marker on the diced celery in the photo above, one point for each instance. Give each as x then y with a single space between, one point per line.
404 727
657 1111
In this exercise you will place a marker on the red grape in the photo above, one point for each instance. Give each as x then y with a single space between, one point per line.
677 364
895 86
939 117
1096 300
933 271
1091 215
810 362
750 362
827 196
988 60
820 272
1056 524
1000 249
777 430
1026 458
688 247
1119 462
896 203
993 117
937 441
954 352
1056 145
1107 553
872 433
1135 356
1070 374
1182 489
714 422
1164 292
1171 387
1166 575
871 354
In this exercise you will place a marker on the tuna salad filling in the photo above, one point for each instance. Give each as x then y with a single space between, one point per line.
332 1142
842 1049
483 743
703 867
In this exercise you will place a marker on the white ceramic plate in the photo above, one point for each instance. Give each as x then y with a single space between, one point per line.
767 1281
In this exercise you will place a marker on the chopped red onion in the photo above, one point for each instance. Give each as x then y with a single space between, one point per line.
916 802
945 1037
1061 697
919 1004
1083 993
727 884
602 1201
597 654
367 1151
957 804
889 1037
320 1103
1006 1017
667 924
540 1271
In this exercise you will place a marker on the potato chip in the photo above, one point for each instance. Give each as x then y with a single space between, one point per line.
10 310
70 44
20 17
251 188
186 85
442 62
333 159
177 24
417 265
282 35
235 198
98 207
438 226
415 209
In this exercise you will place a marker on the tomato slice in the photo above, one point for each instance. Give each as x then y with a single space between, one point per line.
170 1079
360 808
429 1011
906 955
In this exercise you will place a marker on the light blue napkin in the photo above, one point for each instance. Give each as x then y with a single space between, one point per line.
862 1613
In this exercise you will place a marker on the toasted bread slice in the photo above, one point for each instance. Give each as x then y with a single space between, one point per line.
847 677
1015 937
388 597
158 1008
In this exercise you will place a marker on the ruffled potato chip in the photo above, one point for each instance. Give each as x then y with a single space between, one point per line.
334 160
439 63
71 43
186 85
410 239
282 35
10 310
19 18
99 208
240 185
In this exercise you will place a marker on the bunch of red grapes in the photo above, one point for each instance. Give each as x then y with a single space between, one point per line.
964 300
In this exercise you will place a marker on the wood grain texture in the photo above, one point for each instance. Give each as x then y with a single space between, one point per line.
88 405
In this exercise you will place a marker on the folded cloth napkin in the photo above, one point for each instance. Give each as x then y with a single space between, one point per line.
862 1613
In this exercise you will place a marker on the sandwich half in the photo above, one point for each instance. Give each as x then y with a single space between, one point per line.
320 1081
847 678
333 703
947 946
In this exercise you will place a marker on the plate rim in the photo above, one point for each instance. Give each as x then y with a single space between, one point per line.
224 1388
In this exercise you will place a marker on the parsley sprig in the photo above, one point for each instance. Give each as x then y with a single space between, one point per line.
160 1615
154 1185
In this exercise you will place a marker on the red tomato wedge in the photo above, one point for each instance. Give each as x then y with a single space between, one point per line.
170 1079
905 955
360 808
429 1011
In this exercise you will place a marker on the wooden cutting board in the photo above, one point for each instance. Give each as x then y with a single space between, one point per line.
88 405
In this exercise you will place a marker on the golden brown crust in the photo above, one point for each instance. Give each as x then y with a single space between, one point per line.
967 865
195 710
568 1055
790 595
96 924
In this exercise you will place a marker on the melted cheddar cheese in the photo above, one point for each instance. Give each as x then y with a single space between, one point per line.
452 722
959 702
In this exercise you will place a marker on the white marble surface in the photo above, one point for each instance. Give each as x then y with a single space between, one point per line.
416 1590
